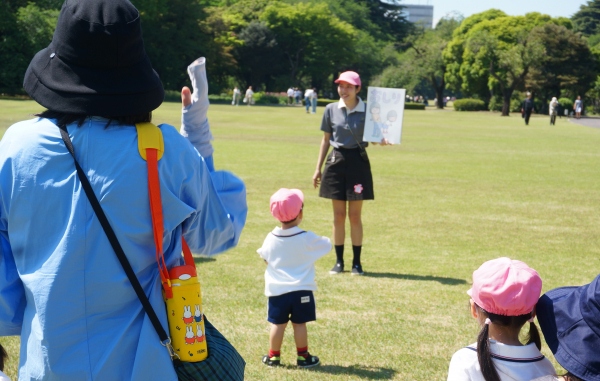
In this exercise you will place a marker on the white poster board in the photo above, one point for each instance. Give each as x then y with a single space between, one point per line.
385 111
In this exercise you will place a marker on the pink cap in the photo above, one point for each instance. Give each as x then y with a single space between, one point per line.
349 76
286 204
506 287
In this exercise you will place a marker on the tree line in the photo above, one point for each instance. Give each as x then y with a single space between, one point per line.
274 44
263 43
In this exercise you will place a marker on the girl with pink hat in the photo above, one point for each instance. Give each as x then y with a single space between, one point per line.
503 299
346 179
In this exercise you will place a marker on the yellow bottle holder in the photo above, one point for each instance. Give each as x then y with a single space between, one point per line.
186 321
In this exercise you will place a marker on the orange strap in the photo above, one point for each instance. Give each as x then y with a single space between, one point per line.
157 218
157 223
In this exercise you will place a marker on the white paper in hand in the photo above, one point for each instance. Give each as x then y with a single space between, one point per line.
385 110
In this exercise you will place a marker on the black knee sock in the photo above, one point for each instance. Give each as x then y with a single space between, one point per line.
339 253
356 250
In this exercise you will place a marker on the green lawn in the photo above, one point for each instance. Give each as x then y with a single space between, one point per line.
462 188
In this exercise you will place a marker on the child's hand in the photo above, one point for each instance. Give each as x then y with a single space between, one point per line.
385 142
186 97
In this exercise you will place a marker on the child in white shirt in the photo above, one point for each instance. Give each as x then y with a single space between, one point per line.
290 254
503 298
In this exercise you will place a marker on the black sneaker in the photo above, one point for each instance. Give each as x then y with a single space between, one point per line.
357 270
338 268
271 361
308 361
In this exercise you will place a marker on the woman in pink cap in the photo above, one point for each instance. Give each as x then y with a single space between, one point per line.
503 298
346 179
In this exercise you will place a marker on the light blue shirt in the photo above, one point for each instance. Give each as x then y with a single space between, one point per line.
62 288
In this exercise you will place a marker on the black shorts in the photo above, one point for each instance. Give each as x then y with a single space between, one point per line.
297 306
346 176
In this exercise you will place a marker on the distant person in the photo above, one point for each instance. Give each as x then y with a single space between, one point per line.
503 298
290 94
570 321
237 94
553 110
578 107
290 254
527 108
308 94
298 95
314 98
249 97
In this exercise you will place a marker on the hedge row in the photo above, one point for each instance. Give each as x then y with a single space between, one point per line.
261 98
414 106
469 105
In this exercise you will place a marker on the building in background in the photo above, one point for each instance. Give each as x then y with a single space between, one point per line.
419 14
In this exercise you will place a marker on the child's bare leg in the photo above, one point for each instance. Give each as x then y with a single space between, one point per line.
276 336
300 335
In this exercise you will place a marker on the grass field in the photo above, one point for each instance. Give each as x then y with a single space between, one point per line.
462 188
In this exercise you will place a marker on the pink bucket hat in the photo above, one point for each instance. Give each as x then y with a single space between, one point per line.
506 287
286 204
349 76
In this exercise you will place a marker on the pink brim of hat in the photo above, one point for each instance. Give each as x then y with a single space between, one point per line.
349 77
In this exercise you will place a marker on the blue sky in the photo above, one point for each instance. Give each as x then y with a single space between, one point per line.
553 8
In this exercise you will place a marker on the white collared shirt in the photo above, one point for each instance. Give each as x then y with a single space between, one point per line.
291 255
521 363
360 107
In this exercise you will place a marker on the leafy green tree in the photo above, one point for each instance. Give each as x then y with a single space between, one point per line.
587 19
38 24
508 63
497 52
388 15
258 48
25 29
176 32
310 37
470 80
14 50
425 55
423 60
568 63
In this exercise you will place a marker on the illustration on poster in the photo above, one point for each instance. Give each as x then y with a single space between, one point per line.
385 111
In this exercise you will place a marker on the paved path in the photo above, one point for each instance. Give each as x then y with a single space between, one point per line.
595 123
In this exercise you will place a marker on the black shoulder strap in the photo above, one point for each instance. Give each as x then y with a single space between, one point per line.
114 242
350 129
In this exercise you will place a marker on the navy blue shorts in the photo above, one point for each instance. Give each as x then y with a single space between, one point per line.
297 306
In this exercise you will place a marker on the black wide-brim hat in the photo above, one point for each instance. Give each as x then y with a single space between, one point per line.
96 63
570 321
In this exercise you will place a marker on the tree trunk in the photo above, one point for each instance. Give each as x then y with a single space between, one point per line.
439 94
506 94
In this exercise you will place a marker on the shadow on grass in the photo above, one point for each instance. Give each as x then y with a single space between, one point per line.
442 280
371 373
199 260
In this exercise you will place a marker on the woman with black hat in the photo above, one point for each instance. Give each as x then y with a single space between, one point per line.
62 288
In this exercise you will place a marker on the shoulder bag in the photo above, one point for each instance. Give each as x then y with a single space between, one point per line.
223 362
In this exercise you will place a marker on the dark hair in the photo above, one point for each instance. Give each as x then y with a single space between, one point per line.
64 119
287 222
3 356
488 369
571 377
